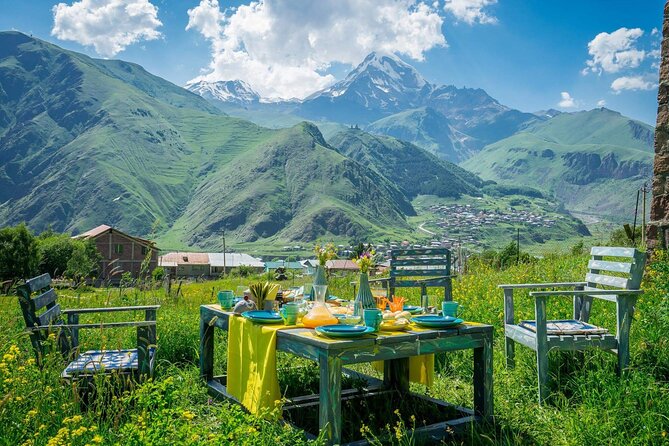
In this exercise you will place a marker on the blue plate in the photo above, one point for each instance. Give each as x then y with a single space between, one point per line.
343 331
263 317
413 309
434 321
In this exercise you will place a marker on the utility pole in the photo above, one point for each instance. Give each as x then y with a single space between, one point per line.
636 212
643 217
224 263
518 247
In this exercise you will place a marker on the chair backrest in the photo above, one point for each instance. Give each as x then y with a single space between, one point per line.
427 267
42 310
615 268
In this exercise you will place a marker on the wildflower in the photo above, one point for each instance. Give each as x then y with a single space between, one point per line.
31 413
97 439
187 414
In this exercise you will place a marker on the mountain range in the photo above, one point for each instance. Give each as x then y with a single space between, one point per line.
86 141
585 154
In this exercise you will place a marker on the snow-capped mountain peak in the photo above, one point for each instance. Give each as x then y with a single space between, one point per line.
380 81
234 91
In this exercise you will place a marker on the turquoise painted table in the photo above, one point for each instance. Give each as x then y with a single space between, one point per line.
395 350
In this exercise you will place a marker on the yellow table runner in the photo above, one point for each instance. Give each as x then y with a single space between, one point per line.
421 368
252 378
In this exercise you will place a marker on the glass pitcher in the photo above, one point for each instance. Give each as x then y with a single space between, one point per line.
319 313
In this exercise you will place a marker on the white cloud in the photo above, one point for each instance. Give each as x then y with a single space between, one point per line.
632 83
566 100
107 25
470 11
601 103
283 48
613 52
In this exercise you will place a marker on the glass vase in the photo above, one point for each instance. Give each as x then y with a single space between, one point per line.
364 296
319 314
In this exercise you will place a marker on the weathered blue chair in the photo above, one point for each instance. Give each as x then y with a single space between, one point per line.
542 335
84 365
424 268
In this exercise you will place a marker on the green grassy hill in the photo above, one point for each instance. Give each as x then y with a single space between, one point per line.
291 186
592 161
402 162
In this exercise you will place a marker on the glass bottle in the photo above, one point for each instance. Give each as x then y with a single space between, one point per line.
319 313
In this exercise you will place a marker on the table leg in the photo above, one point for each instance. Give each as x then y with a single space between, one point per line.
206 348
483 395
330 398
396 374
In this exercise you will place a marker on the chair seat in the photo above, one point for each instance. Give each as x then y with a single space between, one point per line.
95 361
565 327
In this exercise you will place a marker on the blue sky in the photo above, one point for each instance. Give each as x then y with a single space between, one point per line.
528 54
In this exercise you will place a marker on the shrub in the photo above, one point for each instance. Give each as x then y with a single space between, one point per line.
18 253
158 274
83 262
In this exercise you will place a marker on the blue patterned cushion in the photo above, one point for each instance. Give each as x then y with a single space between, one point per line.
94 361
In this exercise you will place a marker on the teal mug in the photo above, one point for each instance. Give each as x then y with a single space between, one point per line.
289 313
451 309
372 317
226 299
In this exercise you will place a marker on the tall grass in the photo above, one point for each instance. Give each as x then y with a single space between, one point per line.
589 404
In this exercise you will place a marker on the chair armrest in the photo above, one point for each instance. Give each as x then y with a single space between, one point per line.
541 285
586 293
381 279
110 309
100 325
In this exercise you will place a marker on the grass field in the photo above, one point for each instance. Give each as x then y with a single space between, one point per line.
589 404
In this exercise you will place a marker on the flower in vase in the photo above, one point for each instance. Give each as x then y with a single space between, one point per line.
325 253
365 260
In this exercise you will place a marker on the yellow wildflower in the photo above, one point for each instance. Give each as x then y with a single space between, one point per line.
97 439
187 414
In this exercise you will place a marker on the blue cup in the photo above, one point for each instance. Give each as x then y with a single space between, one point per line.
451 309
289 313
226 299
372 317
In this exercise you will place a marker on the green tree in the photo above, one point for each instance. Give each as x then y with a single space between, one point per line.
83 262
54 251
18 253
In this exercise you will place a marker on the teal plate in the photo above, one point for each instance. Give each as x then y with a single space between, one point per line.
263 317
413 309
343 331
434 321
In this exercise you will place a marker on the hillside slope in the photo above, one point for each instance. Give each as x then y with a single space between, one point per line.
412 169
593 161
293 186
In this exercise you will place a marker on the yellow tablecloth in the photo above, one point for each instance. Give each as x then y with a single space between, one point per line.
252 375
421 368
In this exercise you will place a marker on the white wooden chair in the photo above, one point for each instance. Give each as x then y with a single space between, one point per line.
542 335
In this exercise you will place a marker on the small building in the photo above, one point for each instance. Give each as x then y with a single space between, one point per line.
120 252
309 266
342 265
294 266
185 264
218 261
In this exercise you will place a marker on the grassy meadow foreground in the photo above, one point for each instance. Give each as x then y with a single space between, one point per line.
589 404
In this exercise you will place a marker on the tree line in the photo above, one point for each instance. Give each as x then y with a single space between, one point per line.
24 255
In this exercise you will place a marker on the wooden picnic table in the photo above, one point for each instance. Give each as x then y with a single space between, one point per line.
394 349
